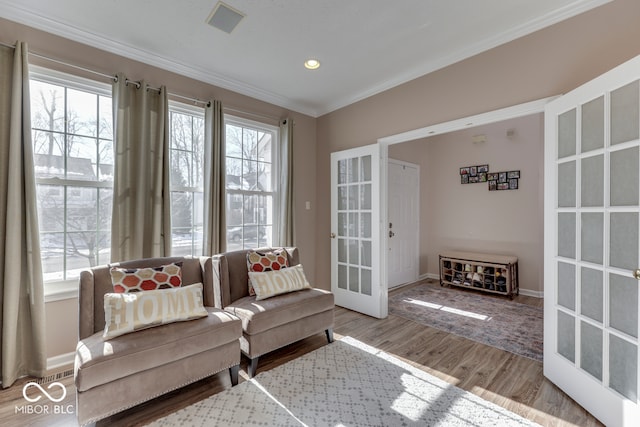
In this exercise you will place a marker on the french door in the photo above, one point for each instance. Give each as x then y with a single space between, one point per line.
355 231
592 256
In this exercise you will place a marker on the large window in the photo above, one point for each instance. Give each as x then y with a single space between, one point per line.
72 134
250 183
187 176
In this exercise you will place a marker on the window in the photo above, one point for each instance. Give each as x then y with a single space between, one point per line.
72 133
187 176
250 183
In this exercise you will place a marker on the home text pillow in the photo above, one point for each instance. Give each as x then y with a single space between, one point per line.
265 261
146 279
128 312
276 282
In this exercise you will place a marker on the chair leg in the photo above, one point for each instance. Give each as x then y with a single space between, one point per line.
233 372
253 366
329 333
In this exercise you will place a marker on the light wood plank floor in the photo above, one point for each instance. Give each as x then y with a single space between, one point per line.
513 382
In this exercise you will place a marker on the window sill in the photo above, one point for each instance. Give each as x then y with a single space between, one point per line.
58 291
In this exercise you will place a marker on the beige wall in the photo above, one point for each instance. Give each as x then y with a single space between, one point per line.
62 315
546 63
469 217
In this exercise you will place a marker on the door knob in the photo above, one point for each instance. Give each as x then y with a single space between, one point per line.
391 234
332 235
636 274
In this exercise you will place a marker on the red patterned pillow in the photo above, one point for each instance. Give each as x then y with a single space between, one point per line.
146 279
265 261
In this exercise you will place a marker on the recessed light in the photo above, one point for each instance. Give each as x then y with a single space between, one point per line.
311 64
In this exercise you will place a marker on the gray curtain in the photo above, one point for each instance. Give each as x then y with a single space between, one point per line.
286 226
141 220
22 319
215 239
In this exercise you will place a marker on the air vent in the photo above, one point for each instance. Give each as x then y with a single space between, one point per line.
224 17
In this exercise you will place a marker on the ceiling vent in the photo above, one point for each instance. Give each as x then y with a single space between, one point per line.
224 17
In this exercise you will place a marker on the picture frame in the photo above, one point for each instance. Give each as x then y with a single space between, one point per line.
473 170
502 177
482 177
513 184
464 171
464 179
473 179
493 176
503 185
493 185
483 168
513 174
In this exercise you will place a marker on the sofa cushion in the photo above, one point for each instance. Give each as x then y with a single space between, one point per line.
146 279
272 283
99 361
262 261
259 316
128 312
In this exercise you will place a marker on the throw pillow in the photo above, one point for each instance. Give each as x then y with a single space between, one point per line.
265 261
276 282
128 312
146 279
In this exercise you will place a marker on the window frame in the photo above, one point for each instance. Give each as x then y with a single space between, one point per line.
55 290
196 111
275 173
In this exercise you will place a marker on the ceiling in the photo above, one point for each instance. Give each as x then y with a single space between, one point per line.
364 46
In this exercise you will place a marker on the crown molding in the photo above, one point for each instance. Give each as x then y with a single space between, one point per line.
39 22
24 16
514 33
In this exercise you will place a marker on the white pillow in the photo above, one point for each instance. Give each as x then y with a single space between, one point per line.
128 312
271 283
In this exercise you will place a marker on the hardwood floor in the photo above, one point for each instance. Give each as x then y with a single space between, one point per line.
513 382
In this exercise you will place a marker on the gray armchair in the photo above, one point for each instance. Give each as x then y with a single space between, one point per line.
274 322
117 373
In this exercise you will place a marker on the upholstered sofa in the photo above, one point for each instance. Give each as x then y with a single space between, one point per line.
113 374
274 322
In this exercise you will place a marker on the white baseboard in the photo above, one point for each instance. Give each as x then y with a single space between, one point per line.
526 292
530 293
60 360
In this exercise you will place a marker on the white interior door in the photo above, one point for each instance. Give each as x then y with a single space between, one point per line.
592 229
403 195
355 231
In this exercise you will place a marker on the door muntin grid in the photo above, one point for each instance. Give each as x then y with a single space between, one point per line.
355 228
597 231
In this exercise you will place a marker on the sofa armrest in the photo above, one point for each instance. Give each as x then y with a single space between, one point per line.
221 291
86 309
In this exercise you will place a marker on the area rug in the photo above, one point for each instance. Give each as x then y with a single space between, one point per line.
498 322
346 383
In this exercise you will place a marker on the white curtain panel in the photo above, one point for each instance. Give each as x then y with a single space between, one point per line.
22 319
286 226
141 221
215 240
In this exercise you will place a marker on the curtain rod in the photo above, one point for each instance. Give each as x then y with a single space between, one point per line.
107 76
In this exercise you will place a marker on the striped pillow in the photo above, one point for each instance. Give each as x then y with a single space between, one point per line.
276 282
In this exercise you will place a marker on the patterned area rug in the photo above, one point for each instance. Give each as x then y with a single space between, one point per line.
346 383
498 322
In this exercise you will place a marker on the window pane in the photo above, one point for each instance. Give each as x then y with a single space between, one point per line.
82 158
82 110
250 144
234 174
233 141
50 208
234 209
82 208
106 117
264 147
180 168
47 106
264 176
249 175
105 160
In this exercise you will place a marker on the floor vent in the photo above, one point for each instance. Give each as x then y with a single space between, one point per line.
55 377
224 17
